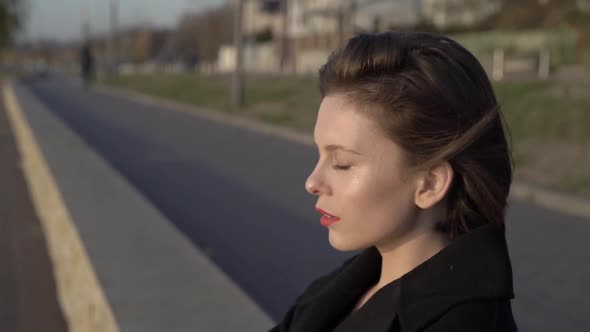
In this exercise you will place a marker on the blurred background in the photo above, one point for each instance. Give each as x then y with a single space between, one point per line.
177 136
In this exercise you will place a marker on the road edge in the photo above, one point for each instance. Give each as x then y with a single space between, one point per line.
553 200
79 292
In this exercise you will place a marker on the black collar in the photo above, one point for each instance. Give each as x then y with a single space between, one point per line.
474 265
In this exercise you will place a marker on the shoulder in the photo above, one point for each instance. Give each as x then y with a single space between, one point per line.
476 315
294 314
320 282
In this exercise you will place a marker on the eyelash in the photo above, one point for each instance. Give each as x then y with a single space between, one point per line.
341 167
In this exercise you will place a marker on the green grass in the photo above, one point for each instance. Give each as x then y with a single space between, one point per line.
576 184
203 91
215 91
531 110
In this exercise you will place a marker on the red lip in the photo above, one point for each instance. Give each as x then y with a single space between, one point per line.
327 219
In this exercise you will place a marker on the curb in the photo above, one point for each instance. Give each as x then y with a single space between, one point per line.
212 115
79 292
552 200
545 198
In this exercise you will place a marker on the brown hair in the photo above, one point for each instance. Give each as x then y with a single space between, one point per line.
433 98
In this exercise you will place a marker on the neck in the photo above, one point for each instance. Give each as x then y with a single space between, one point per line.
405 254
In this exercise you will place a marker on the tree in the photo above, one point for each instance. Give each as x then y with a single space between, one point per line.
11 18
202 34
144 45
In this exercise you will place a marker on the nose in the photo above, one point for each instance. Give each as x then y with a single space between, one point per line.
313 185
312 188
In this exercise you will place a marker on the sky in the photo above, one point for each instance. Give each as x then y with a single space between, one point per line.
62 19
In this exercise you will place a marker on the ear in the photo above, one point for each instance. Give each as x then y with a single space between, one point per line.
433 185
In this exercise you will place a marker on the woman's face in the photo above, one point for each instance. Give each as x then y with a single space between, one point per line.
360 178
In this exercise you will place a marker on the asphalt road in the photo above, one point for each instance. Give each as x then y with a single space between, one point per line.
239 196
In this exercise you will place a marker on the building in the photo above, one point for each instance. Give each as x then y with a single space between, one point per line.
381 15
583 6
260 16
316 27
458 13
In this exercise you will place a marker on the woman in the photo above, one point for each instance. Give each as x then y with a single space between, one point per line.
415 170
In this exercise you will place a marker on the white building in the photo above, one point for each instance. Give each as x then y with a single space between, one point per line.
464 13
308 17
583 5
316 27
257 20
380 15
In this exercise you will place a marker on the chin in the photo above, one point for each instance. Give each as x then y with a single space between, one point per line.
342 244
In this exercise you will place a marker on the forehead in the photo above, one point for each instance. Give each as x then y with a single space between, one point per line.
340 122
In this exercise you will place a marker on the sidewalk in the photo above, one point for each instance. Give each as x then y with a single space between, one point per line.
28 297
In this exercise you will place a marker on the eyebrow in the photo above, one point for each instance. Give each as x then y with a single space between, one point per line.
334 147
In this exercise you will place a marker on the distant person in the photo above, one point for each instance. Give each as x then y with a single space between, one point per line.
414 170
86 63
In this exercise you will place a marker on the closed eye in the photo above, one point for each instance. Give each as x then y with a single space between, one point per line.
341 167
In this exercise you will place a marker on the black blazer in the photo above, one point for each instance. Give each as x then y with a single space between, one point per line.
466 287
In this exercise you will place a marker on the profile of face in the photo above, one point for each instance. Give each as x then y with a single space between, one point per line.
361 177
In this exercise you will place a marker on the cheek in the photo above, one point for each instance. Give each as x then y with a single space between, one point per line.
374 208
377 197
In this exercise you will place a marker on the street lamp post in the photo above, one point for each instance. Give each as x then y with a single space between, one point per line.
285 47
238 79
84 26
113 42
